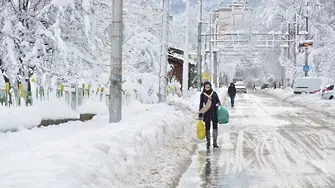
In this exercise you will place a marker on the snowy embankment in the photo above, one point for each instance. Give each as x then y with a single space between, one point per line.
22 117
150 147
16 118
310 101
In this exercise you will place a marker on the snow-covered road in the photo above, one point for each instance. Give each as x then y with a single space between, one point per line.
268 143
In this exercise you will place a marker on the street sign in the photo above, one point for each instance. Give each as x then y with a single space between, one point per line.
206 77
306 68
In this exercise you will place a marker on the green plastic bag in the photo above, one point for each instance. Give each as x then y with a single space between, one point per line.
223 115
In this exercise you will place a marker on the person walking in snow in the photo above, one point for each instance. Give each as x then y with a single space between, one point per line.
209 112
232 93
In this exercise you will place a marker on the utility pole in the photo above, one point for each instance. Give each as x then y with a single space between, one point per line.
215 69
199 57
164 51
288 40
210 47
185 67
295 40
306 38
288 54
295 49
115 87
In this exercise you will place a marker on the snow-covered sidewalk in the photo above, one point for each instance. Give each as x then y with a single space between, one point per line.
310 101
149 148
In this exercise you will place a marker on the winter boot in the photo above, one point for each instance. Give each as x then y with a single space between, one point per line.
215 138
208 138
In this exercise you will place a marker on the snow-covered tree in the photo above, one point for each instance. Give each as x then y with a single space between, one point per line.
70 40
277 14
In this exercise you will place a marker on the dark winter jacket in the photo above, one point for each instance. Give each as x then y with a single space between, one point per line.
232 90
212 113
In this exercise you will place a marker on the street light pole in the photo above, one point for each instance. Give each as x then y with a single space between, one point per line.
186 54
115 87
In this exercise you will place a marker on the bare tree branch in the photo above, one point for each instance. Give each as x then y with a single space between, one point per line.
34 7
17 10
25 5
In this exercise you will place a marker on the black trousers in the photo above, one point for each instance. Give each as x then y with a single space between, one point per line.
208 125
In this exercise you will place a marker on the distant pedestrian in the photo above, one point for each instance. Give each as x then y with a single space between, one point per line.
232 93
209 112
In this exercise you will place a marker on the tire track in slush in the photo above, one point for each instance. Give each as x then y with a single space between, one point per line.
298 138
239 150
306 179
260 149
290 179
267 144
287 150
258 153
263 162
310 150
295 121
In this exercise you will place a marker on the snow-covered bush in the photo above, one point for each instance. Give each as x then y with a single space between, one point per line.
142 87
174 87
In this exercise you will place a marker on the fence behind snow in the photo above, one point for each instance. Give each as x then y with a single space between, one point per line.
73 95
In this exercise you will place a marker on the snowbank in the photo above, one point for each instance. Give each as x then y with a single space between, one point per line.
14 118
93 107
310 101
149 148
142 87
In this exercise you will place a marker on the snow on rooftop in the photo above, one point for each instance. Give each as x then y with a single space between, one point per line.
177 56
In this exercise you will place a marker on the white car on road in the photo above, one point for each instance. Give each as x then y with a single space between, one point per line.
241 87
257 84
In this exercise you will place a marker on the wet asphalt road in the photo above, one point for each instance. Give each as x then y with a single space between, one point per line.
269 144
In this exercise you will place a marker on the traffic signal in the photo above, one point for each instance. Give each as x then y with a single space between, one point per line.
305 44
